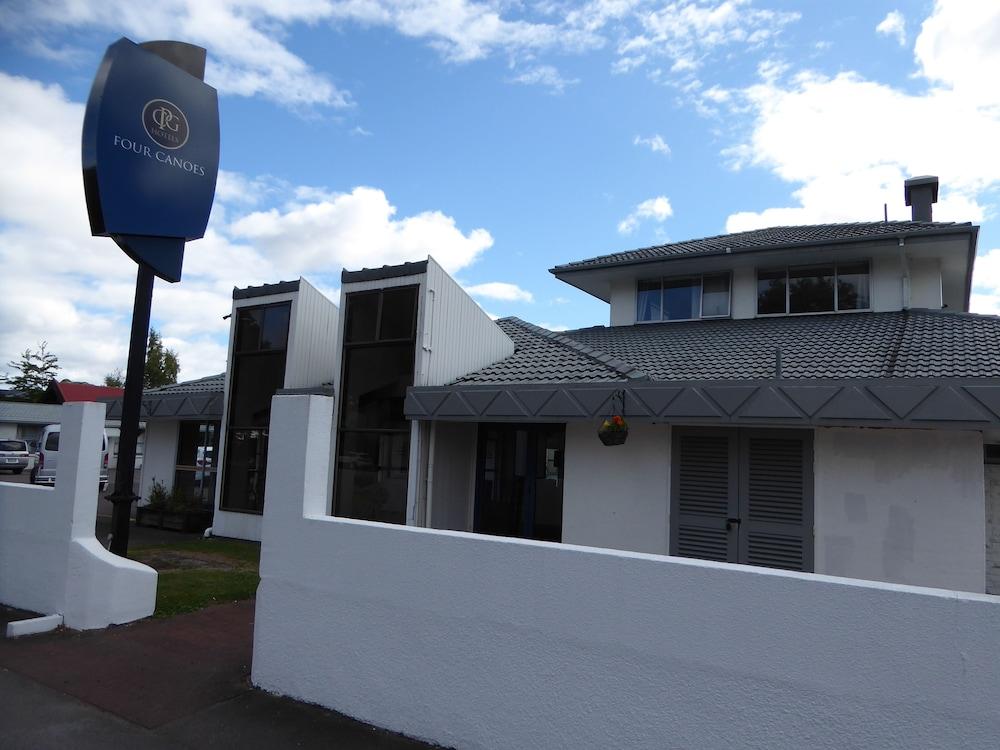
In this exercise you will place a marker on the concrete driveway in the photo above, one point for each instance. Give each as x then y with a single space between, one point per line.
180 682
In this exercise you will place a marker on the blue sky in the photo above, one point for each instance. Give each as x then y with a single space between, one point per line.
501 138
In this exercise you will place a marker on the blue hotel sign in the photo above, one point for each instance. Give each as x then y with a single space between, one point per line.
151 151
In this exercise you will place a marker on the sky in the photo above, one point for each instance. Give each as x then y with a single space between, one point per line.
501 138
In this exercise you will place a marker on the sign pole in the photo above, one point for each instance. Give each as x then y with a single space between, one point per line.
124 495
150 152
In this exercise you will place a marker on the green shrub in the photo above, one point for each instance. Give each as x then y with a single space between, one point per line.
158 498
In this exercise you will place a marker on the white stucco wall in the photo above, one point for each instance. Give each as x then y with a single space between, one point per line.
623 302
485 642
925 283
160 457
993 529
50 561
619 496
452 489
901 505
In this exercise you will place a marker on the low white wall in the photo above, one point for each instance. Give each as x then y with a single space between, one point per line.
904 506
159 459
617 497
484 642
240 525
50 561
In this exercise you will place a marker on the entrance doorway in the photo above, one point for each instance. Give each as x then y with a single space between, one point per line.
519 480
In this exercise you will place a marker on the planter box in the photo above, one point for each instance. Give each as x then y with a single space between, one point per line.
187 520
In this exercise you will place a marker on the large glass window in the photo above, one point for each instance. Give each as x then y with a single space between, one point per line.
258 372
197 456
812 289
373 448
683 298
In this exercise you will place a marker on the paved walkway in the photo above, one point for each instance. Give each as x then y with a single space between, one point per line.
181 682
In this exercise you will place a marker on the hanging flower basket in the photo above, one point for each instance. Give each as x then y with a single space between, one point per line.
613 430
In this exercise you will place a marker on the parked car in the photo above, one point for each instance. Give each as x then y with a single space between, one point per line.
48 458
14 455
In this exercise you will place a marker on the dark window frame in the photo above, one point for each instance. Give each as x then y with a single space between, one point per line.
701 297
231 428
836 265
349 344
195 469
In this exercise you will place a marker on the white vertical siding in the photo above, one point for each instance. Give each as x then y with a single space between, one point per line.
312 339
457 336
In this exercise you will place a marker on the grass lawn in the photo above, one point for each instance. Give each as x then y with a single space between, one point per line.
199 573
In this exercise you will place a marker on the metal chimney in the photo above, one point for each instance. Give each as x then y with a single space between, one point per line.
921 193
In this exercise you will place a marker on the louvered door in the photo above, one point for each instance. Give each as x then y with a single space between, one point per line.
776 499
743 496
704 491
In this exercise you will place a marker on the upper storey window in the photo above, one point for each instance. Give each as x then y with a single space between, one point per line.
813 289
683 298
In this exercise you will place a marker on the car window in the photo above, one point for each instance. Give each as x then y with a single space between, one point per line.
52 442
13 445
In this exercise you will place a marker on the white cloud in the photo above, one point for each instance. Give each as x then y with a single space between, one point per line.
893 25
357 229
246 56
808 133
358 130
686 32
958 48
655 143
657 209
986 283
553 326
545 75
501 290
75 291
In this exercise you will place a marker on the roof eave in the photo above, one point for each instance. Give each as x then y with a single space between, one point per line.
965 228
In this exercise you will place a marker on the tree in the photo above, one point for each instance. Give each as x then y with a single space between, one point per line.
115 378
34 372
162 365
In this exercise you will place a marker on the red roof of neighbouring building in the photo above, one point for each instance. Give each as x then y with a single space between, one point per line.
67 390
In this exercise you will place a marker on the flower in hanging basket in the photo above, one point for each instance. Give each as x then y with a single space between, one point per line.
613 430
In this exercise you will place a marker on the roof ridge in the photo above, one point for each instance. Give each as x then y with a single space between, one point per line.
613 363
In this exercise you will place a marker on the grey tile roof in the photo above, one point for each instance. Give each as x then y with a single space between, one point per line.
907 344
543 356
770 238
15 412
207 384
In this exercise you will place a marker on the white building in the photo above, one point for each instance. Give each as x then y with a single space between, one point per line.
812 398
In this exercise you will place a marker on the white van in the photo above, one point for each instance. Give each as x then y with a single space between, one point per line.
48 458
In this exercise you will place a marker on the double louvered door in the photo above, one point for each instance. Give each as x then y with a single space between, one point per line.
743 496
